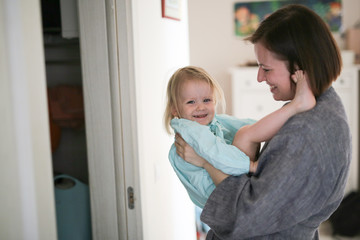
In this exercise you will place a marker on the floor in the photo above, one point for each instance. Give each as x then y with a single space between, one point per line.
325 232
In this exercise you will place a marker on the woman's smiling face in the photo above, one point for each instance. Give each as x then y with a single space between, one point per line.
275 73
196 101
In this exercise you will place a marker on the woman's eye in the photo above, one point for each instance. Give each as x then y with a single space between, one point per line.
266 70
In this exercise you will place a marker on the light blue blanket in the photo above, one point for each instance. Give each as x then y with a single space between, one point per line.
213 143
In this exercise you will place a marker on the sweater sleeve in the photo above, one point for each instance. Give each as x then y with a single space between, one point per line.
225 157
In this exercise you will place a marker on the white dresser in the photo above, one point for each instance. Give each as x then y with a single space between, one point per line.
254 100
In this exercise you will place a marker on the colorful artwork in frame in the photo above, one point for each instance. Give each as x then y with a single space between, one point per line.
248 15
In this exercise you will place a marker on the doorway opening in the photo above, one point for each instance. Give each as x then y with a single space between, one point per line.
66 118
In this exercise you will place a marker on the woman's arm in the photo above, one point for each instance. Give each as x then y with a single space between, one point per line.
216 175
186 152
223 156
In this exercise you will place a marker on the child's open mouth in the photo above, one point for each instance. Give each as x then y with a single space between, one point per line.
200 116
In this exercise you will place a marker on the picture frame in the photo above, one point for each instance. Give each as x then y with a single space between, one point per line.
171 9
248 15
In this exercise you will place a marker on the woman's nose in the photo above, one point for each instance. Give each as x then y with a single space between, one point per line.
260 75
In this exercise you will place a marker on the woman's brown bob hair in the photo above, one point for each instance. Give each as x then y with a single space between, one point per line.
299 36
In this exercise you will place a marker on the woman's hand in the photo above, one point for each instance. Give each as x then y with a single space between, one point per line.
186 152
253 166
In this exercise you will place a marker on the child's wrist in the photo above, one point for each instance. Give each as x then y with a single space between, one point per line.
293 107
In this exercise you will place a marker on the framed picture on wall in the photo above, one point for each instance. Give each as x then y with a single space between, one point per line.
248 15
171 9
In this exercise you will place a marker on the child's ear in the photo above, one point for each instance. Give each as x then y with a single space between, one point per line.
174 112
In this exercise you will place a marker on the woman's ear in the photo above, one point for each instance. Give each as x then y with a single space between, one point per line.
296 67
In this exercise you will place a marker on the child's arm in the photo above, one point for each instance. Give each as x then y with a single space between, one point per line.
249 137
218 176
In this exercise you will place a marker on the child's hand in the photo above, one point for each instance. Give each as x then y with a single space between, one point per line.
304 98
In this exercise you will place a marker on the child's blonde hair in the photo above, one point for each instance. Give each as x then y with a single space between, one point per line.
173 90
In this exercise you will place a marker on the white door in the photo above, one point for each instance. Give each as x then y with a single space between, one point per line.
108 85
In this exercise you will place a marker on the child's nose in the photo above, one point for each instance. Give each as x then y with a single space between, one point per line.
201 106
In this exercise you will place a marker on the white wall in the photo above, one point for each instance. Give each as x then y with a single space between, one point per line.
214 46
27 201
161 46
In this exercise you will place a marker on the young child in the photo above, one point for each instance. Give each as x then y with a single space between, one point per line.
228 143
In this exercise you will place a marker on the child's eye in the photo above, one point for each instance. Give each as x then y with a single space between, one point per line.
190 102
207 100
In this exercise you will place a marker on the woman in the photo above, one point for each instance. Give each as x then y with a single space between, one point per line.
302 170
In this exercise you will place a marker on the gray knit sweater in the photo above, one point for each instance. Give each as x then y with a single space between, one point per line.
299 182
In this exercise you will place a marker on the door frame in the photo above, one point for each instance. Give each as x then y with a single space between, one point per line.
106 43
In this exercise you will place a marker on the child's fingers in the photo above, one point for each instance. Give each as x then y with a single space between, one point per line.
294 78
298 75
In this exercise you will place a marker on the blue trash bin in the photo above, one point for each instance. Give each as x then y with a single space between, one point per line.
72 202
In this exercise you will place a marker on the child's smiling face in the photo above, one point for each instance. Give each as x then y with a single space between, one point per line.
196 101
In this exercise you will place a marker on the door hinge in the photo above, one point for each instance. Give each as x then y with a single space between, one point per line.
131 198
